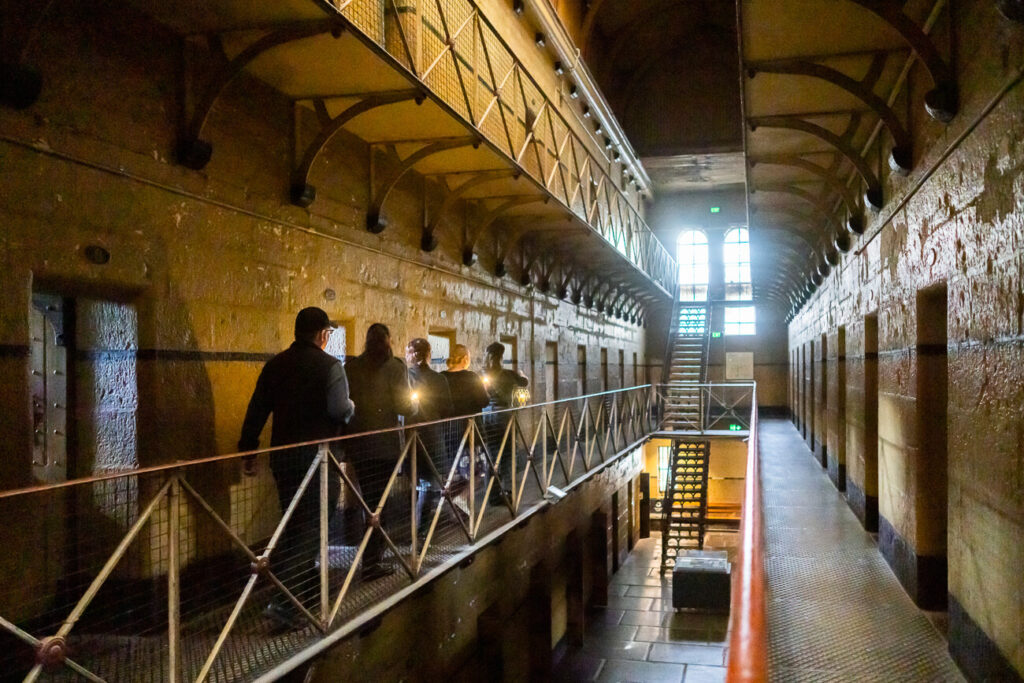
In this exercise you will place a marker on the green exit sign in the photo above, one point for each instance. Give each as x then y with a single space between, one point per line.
716 335
735 428
716 209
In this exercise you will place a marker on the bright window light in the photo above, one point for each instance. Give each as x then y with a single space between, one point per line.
664 453
736 262
692 254
739 320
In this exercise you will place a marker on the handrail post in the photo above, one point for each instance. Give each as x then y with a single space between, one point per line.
325 518
471 426
173 580
513 465
413 495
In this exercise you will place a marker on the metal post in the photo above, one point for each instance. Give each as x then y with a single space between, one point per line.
545 427
471 425
413 497
173 580
513 465
325 516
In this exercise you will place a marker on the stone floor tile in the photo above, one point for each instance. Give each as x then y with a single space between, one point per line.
698 673
602 615
613 631
649 592
641 618
577 666
671 635
686 654
615 602
616 649
649 672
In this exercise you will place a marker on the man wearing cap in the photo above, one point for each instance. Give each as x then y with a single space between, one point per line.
307 391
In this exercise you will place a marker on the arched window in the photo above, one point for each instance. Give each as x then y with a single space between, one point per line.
736 259
692 254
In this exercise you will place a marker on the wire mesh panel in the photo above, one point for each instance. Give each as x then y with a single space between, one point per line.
456 53
224 568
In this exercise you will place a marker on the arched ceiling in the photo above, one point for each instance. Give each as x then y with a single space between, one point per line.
670 70
804 103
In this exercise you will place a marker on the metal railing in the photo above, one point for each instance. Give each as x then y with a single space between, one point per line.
213 570
748 642
456 53
723 406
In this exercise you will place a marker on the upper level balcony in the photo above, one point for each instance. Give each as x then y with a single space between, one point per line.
515 162
183 571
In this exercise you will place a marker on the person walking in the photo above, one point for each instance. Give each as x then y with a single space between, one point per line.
433 402
379 384
469 397
501 388
307 392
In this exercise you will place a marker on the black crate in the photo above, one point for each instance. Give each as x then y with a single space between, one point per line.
701 580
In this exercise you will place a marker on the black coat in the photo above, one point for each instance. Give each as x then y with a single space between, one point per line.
502 387
381 393
469 396
306 390
435 399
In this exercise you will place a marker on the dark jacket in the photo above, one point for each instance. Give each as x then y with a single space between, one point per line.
381 393
502 386
306 390
469 396
435 399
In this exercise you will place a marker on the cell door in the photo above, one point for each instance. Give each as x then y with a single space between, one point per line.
49 389
550 372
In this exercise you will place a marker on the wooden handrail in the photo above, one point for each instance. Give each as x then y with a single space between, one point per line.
748 649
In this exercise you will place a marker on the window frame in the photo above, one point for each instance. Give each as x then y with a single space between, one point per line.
736 264
691 288
740 328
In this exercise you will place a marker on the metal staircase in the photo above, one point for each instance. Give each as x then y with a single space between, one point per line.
687 367
686 501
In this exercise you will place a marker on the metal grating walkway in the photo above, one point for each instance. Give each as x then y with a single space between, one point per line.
835 610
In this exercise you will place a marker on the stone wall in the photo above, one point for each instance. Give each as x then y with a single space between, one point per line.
475 622
214 264
933 437
204 271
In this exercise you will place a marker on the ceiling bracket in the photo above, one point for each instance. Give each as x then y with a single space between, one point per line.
428 242
205 80
873 194
942 101
304 156
472 236
901 156
374 221
799 193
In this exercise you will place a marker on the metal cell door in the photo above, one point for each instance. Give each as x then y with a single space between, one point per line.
49 387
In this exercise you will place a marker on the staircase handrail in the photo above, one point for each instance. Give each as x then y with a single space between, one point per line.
673 332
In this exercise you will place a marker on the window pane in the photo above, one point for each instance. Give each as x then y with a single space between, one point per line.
692 254
736 258
740 320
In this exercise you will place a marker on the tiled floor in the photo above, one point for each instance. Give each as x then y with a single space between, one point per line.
835 610
638 637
